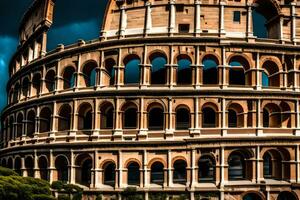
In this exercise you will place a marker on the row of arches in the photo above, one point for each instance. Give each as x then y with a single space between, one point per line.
275 166
240 72
273 115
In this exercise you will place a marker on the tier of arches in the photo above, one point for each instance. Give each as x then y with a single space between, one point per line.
155 116
275 165
160 69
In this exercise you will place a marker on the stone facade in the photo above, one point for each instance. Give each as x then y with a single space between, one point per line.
177 96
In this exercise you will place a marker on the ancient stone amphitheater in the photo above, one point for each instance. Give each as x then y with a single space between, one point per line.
183 97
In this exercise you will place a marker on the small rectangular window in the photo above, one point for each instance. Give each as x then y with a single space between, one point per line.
179 7
184 28
237 16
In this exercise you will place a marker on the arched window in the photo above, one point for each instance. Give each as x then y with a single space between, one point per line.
236 166
64 120
36 84
61 166
20 125
107 116
43 166
272 71
286 196
11 128
232 118
90 74
252 196
29 166
18 166
265 20
156 119
182 119
110 71
133 176
85 117
69 77
210 70
50 81
207 169
130 118
30 123
16 93
273 119
157 173
158 68
132 69
109 174
179 174
184 71
45 120
25 87
209 118
86 170
266 118
236 73
268 167
265 79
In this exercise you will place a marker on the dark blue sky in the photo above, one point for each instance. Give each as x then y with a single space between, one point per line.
74 19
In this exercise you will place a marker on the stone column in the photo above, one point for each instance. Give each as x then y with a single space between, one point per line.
123 22
249 20
170 175
259 131
221 18
36 170
258 167
148 22
258 72
193 168
120 170
293 12
169 129
72 167
297 163
145 170
197 17
53 120
224 125
172 22
51 166
142 121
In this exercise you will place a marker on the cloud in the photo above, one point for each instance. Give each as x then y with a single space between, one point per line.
8 47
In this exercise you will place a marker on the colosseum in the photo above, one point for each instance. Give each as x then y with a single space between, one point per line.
188 98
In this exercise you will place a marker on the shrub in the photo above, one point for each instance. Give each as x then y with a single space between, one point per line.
158 196
7 172
63 197
99 197
130 193
43 197
57 185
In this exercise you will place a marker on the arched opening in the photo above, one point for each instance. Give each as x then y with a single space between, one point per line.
239 73
69 77
30 123
179 173
132 69
18 166
85 117
207 169
156 118
61 166
110 65
184 71
287 196
236 166
25 87
266 20
29 166
158 68
16 93
10 163
107 116
109 177
90 74
50 81
20 125
43 166
183 119
210 70
209 118
252 196
271 116
133 176
11 128
272 165
157 173
45 120
84 169
268 165
64 118
235 116
272 71
130 117
265 79
36 85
